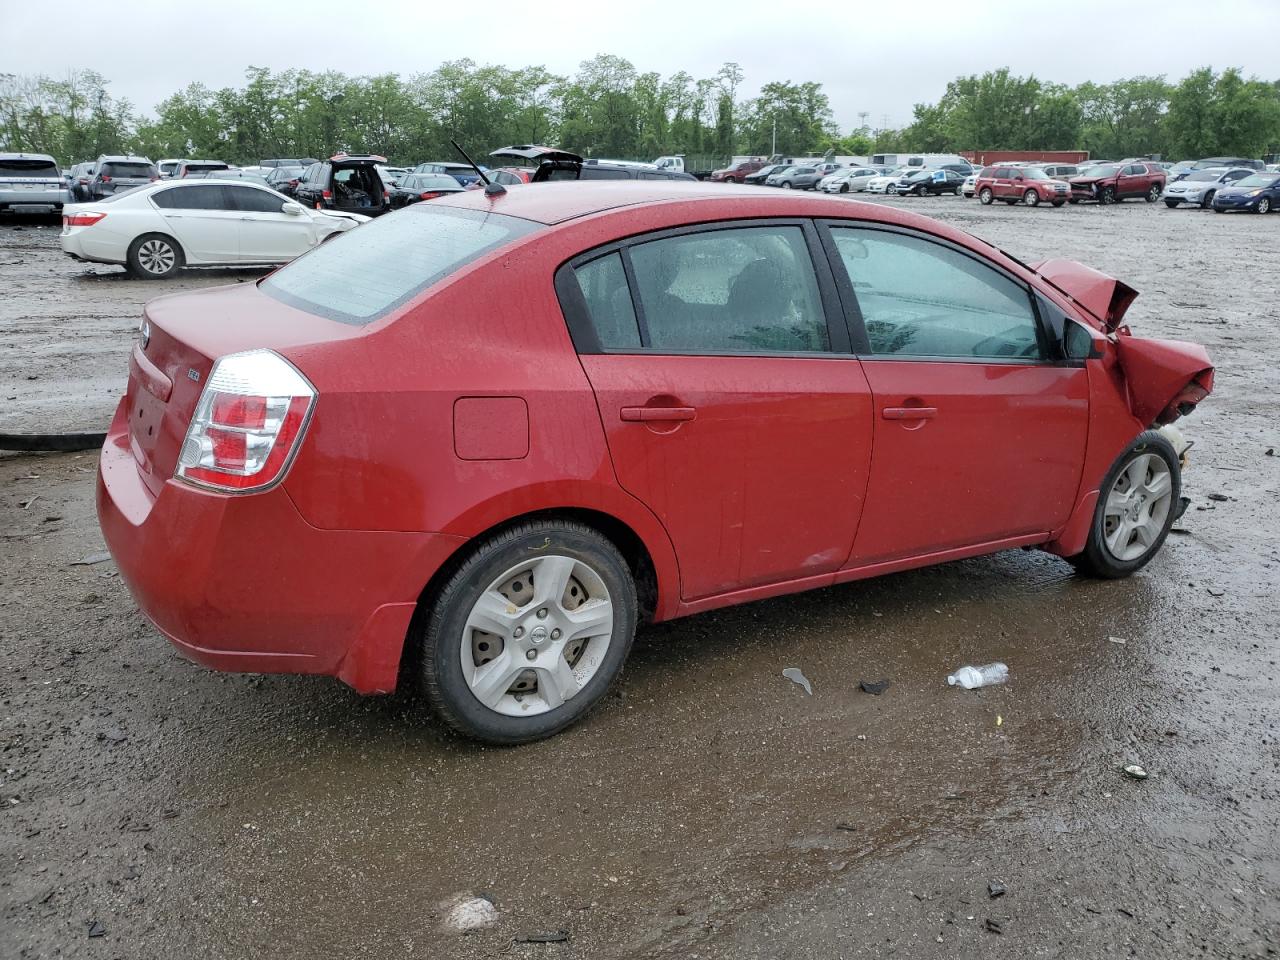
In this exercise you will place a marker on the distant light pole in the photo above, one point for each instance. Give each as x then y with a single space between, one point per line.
774 151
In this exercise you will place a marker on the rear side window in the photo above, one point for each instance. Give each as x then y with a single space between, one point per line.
748 290
202 197
19 169
360 276
604 287
114 169
923 299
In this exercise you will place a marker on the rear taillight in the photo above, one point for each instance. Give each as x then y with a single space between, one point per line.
82 219
104 178
429 195
248 424
327 194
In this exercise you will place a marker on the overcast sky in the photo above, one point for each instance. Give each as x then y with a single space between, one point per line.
875 57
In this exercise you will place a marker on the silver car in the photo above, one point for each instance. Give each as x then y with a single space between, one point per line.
31 179
848 180
1199 186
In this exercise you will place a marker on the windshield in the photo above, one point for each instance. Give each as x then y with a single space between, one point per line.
1259 180
1101 170
1034 173
361 275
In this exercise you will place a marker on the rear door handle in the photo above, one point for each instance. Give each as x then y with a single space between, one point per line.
909 413
650 414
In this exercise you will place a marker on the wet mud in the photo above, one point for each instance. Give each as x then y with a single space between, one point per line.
710 807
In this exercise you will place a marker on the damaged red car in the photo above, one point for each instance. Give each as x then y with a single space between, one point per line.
474 444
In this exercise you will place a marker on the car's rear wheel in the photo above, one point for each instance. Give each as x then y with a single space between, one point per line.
1264 205
786 184
1154 193
921 191
154 256
1136 508
528 634
985 195
1031 198
955 192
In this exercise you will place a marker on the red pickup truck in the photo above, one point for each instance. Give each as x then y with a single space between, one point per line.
734 173
1110 182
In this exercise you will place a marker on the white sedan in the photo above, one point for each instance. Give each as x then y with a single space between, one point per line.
158 229
888 182
848 180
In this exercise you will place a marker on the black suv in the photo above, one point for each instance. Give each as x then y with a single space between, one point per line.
556 164
346 183
114 175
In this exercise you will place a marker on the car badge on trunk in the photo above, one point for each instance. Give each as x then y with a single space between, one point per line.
193 374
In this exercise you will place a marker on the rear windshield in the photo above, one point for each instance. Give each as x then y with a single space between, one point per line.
12 169
114 169
360 276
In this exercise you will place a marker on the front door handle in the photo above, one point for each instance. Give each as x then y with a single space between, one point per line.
650 414
909 413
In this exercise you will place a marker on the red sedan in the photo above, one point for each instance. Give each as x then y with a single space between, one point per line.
486 437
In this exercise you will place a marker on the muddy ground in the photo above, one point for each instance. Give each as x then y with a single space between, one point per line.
710 808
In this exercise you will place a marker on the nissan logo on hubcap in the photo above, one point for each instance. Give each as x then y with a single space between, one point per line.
538 635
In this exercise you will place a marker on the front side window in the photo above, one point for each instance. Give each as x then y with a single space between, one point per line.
255 201
922 299
742 290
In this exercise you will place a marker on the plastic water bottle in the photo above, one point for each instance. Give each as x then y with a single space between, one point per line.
973 677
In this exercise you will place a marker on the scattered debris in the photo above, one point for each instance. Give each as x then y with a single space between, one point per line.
999 720
846 825
544 936
1271 452
995 926
795 676
1135 771
996 889
1216 592
96 929
955 796
1120 640
464 913
1219 497
874 687
114 734
973 677
1125 912
91 559
26 504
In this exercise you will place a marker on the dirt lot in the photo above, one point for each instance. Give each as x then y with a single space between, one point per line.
710 809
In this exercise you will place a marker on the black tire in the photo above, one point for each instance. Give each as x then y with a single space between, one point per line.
922 191
1096 560
985 196
140 262
1107 196
1171 204
1073 201
1207 200
844 188
1264 206
955 192
1154 193
1031 198
1058 203
440 630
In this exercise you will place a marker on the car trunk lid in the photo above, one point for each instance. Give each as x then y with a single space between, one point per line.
180 338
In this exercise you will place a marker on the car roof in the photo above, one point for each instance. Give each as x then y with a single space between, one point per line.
559 201
26 156
121 158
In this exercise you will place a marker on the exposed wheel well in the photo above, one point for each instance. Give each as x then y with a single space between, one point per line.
618 533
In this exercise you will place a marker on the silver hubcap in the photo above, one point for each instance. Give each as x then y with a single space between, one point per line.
156 256
1137 507
536 636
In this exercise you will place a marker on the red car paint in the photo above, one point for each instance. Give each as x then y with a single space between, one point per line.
467 407
1119 182
739 170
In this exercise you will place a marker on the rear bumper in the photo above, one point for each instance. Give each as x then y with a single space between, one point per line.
33 198
244 583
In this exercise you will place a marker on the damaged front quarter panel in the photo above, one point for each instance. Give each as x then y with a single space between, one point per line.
1164 379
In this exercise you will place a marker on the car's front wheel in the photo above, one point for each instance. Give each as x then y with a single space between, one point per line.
528 634
1031 198
1107 196
844 188
985 196
786 184
154 256
1136 507
1207 200
1264 205
1171 204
